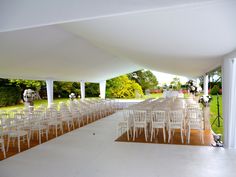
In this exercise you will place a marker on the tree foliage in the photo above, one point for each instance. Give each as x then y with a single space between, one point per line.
176 84
123 87
9 95
145 78
63 89
92 90
33 84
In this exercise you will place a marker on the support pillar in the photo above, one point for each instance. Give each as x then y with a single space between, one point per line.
205 86
82 90
49 84
229 102
102 87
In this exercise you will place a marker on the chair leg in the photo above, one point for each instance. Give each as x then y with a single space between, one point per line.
18 142
151 134
68 126
145 133
47 134
164 134
134 133
3 149
8 142
169 134
202 132
61 128
189 134
28 140
56 130
181 132
39 136
128 134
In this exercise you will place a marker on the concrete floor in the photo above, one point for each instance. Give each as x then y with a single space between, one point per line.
92 152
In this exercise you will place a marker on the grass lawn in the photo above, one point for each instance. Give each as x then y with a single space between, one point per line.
154 95
213 108
36 103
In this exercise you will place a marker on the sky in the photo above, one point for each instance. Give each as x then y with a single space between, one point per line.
167 78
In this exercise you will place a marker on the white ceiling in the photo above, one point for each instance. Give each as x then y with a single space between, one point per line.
181 37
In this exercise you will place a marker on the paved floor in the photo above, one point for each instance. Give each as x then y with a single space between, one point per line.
92 152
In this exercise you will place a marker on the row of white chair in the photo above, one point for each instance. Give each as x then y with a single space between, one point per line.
162 119
22 125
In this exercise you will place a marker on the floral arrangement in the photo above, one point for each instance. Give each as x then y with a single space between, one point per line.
29 96
72 96
205 100
193 87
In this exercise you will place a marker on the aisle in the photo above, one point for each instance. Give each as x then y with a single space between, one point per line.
91 151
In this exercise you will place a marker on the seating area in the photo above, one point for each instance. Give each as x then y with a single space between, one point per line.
22 129
164 120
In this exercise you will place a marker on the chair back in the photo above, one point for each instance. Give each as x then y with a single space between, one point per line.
176 117
126 115
139 116
158 116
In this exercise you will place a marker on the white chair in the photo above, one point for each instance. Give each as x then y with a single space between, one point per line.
38 125
53 122
2 142
175 122
67 118
19 134
158 120
126 124
140 122
195 121
78 117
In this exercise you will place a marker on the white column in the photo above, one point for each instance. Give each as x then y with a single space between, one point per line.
82 90
229 102
49 84
205 86
102 87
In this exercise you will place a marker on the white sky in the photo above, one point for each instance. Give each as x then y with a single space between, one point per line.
167 78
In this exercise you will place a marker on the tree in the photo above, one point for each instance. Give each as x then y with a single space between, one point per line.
145 78
176 84
92 90
123 87
23 84
63 89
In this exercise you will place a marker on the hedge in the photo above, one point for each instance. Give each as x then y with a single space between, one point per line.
9 95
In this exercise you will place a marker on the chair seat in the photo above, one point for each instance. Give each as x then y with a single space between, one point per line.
122 124
54 122
158 125
17 133
140 124
177 126
38 127
197 127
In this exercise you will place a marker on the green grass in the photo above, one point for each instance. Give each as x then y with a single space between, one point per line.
154 95
36 103
213 108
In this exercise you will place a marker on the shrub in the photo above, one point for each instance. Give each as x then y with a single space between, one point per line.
9 95
215 90
123 87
